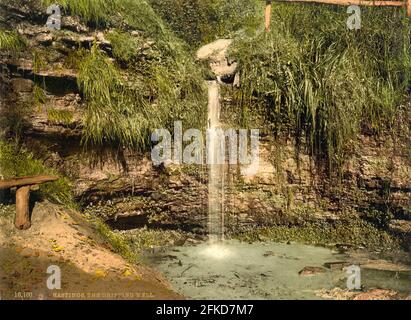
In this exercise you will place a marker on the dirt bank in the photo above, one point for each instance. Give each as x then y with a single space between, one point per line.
89 269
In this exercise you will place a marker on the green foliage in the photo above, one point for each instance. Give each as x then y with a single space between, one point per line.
39 96
74 58
39 61
117 111
18 162
95 11
144 238
321 83
136 13
125 47
13 120
10 41
131 244
117 241
106 115
353 232
378 217
202 21
60 116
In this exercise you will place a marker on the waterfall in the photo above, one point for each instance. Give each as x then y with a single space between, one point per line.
216 167
216 54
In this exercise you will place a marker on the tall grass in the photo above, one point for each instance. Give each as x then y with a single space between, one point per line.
94 11
123 111
199 22
111 116
10 41
317 81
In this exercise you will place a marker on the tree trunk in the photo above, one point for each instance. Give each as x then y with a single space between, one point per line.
22 220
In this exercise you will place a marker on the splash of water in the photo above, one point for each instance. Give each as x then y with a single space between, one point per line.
217 251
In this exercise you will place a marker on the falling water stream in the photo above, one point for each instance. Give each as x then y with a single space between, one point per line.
216 167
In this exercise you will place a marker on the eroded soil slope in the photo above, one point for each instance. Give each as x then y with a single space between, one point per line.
89 269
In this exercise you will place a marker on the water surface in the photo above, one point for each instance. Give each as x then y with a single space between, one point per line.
237 270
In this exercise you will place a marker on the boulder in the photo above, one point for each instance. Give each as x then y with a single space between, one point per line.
22 85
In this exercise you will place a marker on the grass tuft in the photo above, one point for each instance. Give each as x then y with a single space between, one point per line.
11 42
117 241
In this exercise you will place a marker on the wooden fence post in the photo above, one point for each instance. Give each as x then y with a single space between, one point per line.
22 218
24 185
268 15
409 8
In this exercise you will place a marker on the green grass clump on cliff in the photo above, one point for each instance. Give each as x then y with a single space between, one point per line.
317 81
10 41
96 11
120 111
18 162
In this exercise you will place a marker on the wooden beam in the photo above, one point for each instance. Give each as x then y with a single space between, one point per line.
26 181
367 3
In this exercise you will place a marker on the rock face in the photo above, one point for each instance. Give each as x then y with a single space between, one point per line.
41 88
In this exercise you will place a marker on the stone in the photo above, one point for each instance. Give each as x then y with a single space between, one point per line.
269 254
156 196
400 226
212 49
44 38
310 271
22 85
74 24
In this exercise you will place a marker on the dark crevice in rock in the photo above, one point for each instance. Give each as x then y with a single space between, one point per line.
54 83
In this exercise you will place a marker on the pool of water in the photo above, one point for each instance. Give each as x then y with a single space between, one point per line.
238 270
